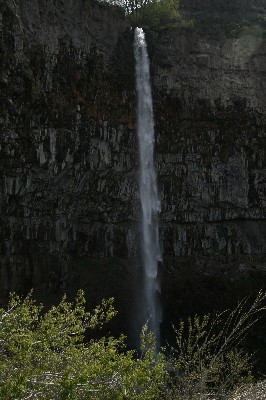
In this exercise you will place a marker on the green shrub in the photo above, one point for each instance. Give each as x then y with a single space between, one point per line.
46 355
207 357
49 356
157 14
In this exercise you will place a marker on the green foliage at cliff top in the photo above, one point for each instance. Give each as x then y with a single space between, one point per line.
220 21
52 355
157 14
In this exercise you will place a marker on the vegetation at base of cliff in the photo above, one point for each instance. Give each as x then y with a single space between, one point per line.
52 355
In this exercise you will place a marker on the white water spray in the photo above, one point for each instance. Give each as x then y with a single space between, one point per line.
150 203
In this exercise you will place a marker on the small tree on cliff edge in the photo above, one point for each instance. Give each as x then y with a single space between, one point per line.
152 13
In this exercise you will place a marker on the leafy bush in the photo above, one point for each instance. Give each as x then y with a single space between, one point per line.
49 356
46 356
219 22
157 14
207 357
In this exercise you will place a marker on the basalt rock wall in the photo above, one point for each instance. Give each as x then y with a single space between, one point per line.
210 109
68 160
68 157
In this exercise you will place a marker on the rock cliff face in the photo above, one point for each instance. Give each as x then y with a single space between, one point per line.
67 141
68 156
210 109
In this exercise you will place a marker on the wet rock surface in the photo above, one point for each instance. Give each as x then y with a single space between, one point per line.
69 166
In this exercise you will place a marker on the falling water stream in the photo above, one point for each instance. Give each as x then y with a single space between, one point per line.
148 190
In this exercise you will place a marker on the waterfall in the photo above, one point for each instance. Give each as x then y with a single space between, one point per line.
150 204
